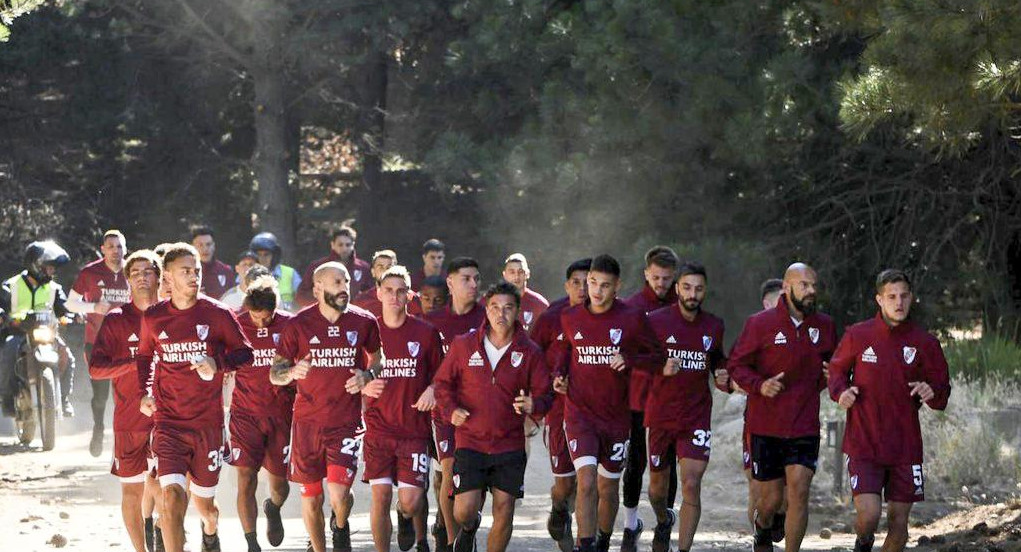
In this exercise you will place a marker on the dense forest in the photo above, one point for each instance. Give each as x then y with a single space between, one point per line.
850 134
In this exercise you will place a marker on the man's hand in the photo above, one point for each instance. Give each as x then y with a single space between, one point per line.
459 417
672 367
737 388
374 388
205 366
617 363
773 386
102 307
847 398
560 384
922 390
426 401
355 383
300 369
722 377
523 403
147 406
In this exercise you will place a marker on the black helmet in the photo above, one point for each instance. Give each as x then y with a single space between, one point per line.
266 241
38 254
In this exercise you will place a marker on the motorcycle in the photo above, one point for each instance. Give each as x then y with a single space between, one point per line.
35 387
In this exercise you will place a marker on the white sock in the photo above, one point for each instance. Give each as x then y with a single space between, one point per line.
630 518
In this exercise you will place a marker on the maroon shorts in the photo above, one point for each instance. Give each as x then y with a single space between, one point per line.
556 443
319 452
590 444
132 456
691 444
183 451
396 460
260 441
444 439
896 483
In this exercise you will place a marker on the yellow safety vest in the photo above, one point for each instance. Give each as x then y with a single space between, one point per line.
24 299
286 284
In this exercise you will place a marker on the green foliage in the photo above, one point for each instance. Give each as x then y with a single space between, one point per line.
990 358
11 10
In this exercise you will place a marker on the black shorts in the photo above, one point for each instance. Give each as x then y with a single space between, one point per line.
771 455
479 471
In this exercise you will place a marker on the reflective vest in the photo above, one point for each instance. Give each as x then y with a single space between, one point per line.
286 284
24 299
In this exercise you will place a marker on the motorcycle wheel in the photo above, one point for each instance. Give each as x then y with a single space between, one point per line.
24 420
48 407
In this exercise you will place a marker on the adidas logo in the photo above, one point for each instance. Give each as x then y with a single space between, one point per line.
780 339
475 360
578 336
869 356
560 337
314 340
671 340
133 337
163 335
101 284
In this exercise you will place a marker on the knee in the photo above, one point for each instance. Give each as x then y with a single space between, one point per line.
608 491
657 494
409 505
691 488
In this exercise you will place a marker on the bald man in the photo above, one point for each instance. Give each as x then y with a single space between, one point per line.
326 344
779 359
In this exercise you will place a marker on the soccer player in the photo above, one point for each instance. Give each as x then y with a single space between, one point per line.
99 288
489 380
604 340
658 292
217 276
679 411
194 341
342 250
433 254
462 315
516 271
883 371
778 359
113 358
398 428
247 262
260 415
770 291
545 332
433 293
324 344
369 298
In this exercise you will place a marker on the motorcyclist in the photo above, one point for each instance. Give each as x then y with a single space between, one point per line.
268 250
33 289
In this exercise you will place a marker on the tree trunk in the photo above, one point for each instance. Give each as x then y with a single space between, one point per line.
275 206
372 138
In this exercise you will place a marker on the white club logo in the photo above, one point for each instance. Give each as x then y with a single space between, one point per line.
909 354
854 481
707 342
352 337
573 443
516 358
202 330
813 334
235 452
443 445
357 275
457 480
615 335
276 339
556 461
222 279
655 460
413 347
527 317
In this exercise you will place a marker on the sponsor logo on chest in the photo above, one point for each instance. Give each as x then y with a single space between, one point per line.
182 351
869 355
332 357
475 360
780 339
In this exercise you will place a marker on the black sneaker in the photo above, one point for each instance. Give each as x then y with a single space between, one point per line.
439 533
274 525
157 540
566 540
405 533
96 444
777 530
864 545
556 523
763 540
465 541
210 543
341 535
661 535
630 541
422 546
603 541
149 534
